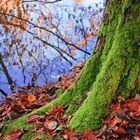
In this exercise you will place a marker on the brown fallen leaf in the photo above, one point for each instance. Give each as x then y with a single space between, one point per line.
32 117
55 110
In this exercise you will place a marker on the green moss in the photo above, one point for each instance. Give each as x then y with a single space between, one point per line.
17 123
30 135
121 60
59 92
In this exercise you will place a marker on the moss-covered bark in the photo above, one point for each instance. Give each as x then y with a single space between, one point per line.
111 70
119 73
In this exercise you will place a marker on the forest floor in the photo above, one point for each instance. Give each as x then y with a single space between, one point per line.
122 123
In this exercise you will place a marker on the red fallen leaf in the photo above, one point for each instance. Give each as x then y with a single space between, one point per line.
124 123
55 110
119 130
114 106
24 100
137 134
13 135
135 106
88 135
32 117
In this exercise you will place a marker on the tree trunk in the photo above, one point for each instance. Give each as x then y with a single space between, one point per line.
112 69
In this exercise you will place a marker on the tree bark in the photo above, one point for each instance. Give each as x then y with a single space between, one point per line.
112 70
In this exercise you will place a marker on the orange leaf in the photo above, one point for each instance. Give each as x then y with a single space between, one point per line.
31 97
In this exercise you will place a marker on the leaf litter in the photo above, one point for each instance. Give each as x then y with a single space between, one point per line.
122 123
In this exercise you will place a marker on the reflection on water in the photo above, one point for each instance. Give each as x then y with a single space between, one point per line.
46 70
40 41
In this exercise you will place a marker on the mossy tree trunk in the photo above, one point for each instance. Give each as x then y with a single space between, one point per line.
112 70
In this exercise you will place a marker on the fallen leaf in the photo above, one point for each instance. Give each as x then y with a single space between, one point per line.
134 105
32 117
55 110
88 135
31 97
124 123
119 130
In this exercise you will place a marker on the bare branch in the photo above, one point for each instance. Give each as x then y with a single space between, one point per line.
9 79
36 26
